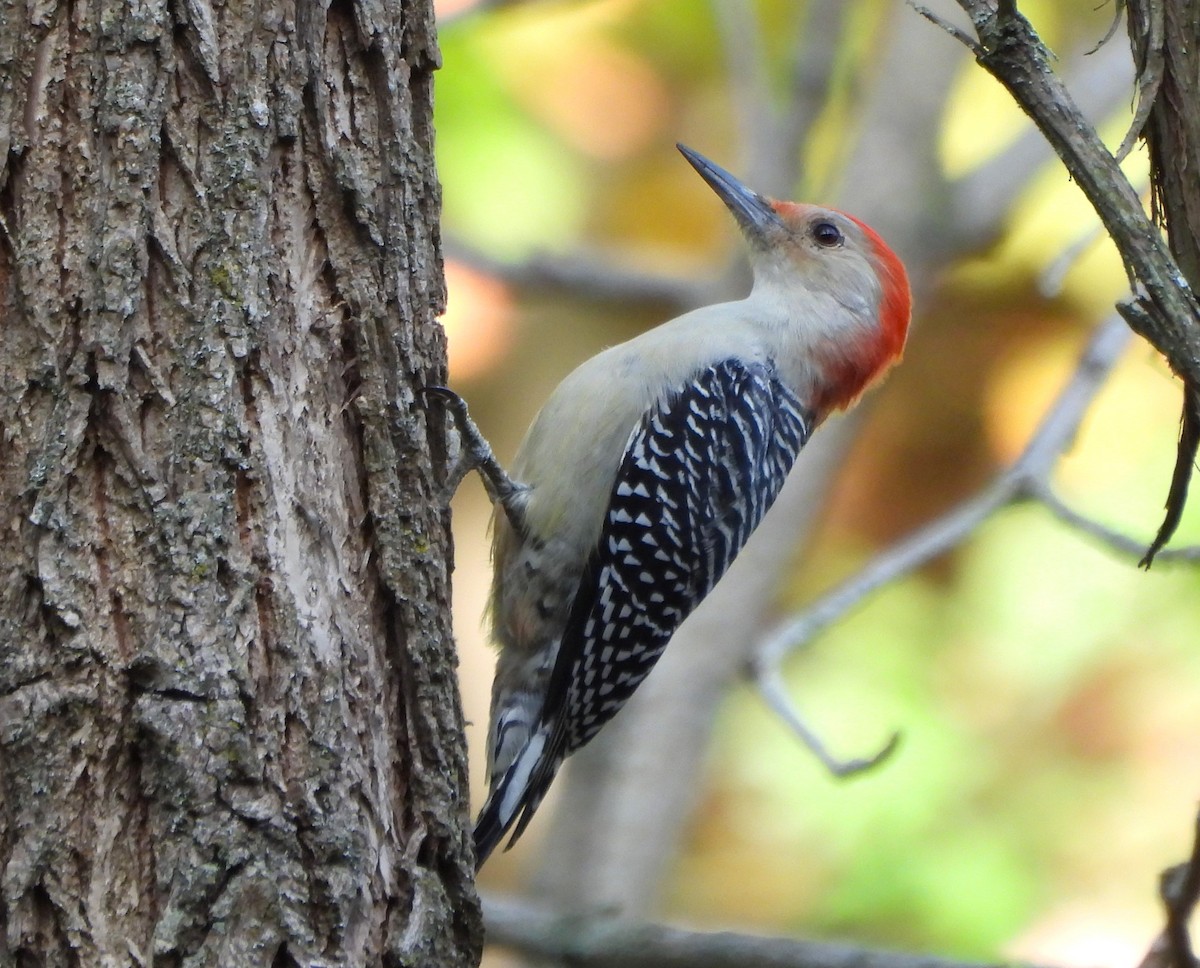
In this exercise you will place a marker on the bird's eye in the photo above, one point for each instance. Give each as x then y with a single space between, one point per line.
826 234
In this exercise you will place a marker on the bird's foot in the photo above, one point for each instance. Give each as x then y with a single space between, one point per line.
475 453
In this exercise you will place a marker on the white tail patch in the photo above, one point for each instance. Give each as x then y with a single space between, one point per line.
517 779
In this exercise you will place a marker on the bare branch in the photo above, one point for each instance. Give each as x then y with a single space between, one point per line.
1013 54
607 942
1163 37
1114 540
774 691
983 197
952 29
586 275
1164 311
1150 60
1023 479
908 555
1027 478
1179 888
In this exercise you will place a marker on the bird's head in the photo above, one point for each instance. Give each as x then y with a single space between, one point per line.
800 247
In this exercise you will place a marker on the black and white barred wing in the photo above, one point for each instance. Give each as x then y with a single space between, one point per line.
699 473
700 470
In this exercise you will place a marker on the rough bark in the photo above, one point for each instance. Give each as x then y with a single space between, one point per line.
229 723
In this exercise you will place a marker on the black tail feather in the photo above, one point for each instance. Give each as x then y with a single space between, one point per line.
495 819
489 831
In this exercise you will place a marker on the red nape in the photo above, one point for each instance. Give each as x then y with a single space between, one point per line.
895 308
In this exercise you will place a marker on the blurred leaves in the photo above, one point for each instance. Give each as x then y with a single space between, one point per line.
1046 690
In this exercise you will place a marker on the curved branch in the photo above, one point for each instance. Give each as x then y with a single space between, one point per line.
1111 538
1023 479
983 197
1164 310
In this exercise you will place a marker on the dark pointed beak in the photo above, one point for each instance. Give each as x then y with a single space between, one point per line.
754 214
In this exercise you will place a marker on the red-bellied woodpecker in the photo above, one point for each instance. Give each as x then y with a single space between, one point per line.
649 467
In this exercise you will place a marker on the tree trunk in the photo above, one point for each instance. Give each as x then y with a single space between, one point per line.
230 732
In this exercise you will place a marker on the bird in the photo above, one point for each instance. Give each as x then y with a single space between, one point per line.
648 468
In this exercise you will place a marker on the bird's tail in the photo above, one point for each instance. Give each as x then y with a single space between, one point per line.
514 798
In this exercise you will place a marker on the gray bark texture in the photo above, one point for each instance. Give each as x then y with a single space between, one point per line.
230 731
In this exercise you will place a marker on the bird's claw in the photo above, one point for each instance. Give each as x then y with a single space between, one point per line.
463 462
475 453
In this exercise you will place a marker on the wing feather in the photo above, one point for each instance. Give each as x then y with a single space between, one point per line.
699 472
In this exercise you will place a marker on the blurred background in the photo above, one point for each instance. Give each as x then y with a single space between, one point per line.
1044 687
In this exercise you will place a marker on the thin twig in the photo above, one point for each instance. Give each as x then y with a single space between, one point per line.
1107 536
952 29
1181 478
773 689
1021 480
1179 888
1150 61
1180 893
922 546
1010 50
1027 478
